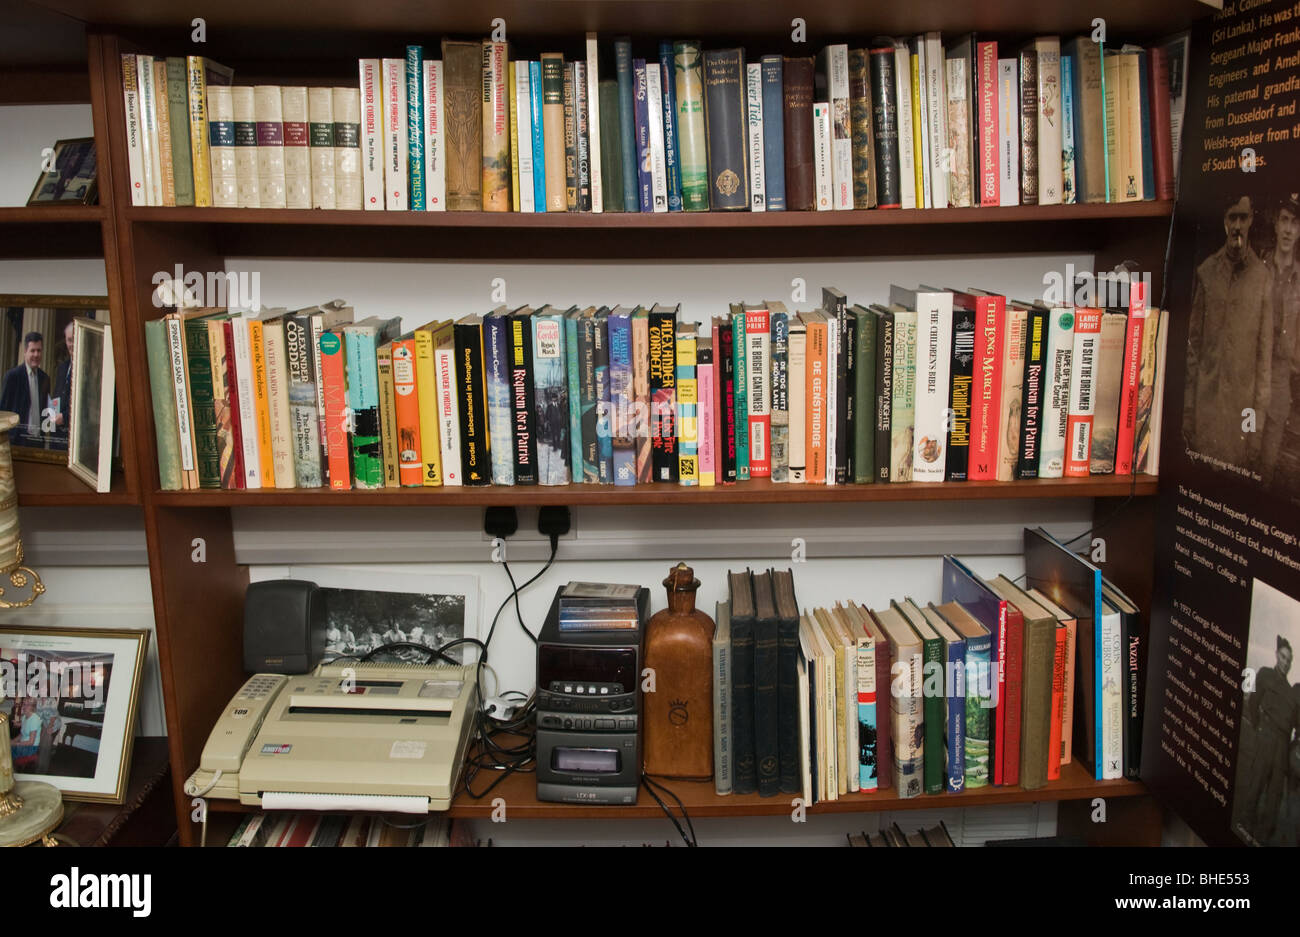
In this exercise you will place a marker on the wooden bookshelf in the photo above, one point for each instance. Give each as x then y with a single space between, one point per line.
42 484
52 231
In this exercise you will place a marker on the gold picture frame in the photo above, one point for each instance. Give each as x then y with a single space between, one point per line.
73 695
20 308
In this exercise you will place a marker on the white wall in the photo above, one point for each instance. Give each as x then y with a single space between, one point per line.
25 130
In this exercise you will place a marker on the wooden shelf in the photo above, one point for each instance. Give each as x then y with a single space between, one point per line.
760 491
50 214
45 231
43 484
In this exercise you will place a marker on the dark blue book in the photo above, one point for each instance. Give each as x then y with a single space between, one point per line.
604 424
626 122
539 136
644 178
774 132
1148 152
986 607
954 691
672 164
744 768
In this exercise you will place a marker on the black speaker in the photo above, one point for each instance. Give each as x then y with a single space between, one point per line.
284 626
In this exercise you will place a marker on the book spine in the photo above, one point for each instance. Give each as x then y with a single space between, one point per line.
935 720
626 122
360 346
688 446
1083 370
641 397
621 399
1089 120
1067 700
960 392
861 101
990 324
641 127
725 359
1036 705
933 387
524 109
396 129
839 382
789 738
706 386
570 143
740 371
164 405
320 127
668 120
373 150
415 166
767 736
773 132
1058 704
539 135
1011 636
721 715
987 95
317 329
884 124
822 155
818 358
1028 127
980 710
1069 151
182 145
304 420
797 101
406 415
277 396
163 120
221 148
1033 384
1161 133
582 135
512 78
754 132
462 64
494 106
779 437
725 116
551 399
268 108
691 135
1008 132
262 401
552 68
957 103
334 382
134 141
955 704
868 779
864 413
758 395
1056 392
884 395
903 102
936 98
471 387
449 404
594 125
1047 68
1144 123
590 389
1110 700
1128 400
498 364
427 398
1109 381
435 154
1133 661
841 127
149 142
1012 396
522 430
658 160
903 417
663 396
573 355
246 186
604 436
744 778
921 125
797 382
297 148
908 733
200 133
387 411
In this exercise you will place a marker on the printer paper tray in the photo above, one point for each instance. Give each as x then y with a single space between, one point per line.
376 803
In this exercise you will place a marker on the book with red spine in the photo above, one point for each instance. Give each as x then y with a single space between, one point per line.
986 388
334 382
986 93
758 375
1132 376
1011 701
817 389
231 403
406 407
1083 392
718 416
1058 702
1162 143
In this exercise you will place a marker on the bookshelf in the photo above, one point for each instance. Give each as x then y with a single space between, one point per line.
199 605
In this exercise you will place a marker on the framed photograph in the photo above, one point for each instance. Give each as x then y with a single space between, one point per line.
71 695
69 175
37 338
90 427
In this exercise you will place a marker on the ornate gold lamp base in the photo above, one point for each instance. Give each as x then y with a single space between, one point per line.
20 577
30 812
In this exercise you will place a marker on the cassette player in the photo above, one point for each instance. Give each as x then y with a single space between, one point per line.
589 659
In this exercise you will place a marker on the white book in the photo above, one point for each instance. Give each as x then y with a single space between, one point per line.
134 145
798 365
246 401
395 170
1008 132
177 365
841 131
435 159
221 111
1112 696
822 154
852 744
320 112
269 112
754 124
524 111
925 198
658 165
936 93
832 411
1050 173
347 149
247 190
444 362
933 363
277 397
593 125
297 147
906 160
372 149
1056 391
149 139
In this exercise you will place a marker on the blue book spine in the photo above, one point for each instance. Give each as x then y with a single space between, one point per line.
1148 154
626 123
955 684
500 406
644 177
604 424
575 398
551 400
668 78
539 137
867 763
621 398
1069 150
415 125
774 132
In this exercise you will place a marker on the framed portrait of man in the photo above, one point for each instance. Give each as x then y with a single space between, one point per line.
37 354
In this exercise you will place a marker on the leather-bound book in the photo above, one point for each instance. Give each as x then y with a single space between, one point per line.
463 68
884 125
787 680
744 770
767 746
800 181
860 101
724 127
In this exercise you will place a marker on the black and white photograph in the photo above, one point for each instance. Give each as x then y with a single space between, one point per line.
1266 792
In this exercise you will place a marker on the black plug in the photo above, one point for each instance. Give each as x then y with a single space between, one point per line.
554 522
500 522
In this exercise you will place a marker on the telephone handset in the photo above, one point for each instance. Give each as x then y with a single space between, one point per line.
239 722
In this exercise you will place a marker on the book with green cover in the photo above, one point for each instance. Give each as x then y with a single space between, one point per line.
933 709
572 372
691 141
741 362
864 416
178 111
198 360
361 342
978 691
164 405
611 148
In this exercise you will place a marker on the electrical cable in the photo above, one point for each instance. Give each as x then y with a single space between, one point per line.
650 784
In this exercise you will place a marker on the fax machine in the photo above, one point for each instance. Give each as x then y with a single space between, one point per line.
347 736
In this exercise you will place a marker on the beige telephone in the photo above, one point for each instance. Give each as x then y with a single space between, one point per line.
233 734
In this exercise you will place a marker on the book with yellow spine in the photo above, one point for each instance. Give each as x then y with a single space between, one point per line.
426 390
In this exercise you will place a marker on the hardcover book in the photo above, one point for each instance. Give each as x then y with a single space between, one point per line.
1033 393
906 702
797 90
463 71
495 106
397 176
780 390
774 132
320 130
740 595
663 395
471 389
978 704
688 67
621 396
550 397
724 113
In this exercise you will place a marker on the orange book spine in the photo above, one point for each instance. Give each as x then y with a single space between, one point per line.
815 445
334 380
262 402
410 464
1058 704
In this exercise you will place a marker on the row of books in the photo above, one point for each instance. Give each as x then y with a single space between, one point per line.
994 685
916 123
893 835
632 395
347 829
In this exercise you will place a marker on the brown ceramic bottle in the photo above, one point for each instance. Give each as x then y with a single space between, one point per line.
679 713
